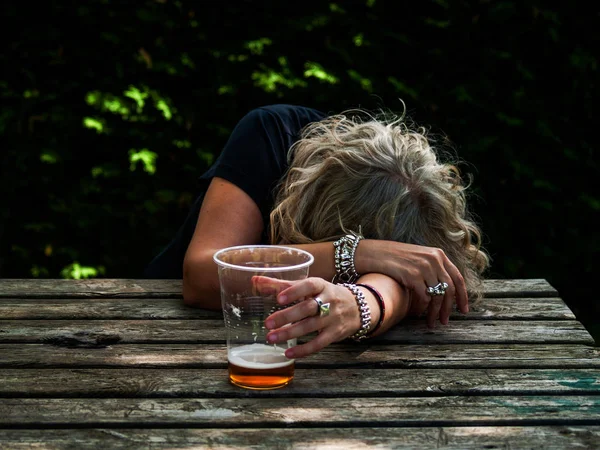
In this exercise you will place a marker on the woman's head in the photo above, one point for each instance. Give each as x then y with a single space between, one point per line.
382 176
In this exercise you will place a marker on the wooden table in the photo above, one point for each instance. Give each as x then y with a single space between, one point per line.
123 364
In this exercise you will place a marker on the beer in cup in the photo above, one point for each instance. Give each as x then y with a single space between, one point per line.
253 363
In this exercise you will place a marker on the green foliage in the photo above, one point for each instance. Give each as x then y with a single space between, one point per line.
146 157
313 69
77 271
95 97
272 80
94 124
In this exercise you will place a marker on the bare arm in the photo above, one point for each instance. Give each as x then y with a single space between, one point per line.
230 217
344 318
397 300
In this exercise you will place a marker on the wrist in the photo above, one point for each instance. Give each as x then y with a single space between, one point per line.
362 257
376 305
364 311
345 258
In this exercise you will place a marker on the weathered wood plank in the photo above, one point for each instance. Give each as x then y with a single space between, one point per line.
204 356
302 412
98 333
519 288
113 309
105 287
90 288
490 331
515 308
353 382
140 309
418 438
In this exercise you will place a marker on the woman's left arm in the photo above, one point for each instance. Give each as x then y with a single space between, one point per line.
343 319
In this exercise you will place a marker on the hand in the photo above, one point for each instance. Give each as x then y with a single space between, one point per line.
416 267
342 322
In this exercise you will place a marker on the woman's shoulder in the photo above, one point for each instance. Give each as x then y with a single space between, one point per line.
289 112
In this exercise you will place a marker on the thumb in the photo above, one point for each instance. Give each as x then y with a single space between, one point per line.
269 286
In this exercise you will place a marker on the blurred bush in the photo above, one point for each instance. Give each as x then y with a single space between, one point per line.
111 110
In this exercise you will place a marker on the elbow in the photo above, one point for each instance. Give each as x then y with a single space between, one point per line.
192 291
198 291
190 298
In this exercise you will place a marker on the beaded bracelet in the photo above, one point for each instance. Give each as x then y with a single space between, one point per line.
365 312
379 299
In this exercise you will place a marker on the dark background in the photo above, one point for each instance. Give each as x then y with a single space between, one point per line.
111 110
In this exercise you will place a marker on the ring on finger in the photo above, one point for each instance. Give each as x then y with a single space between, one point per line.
323 308
438 289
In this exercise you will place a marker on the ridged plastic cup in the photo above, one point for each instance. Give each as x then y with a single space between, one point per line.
252 362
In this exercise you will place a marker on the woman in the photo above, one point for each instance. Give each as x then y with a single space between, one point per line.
367 197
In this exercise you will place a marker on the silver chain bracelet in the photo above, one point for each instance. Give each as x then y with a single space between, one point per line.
344 251
365 312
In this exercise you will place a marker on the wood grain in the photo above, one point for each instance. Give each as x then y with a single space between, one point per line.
123 288
123 364
204 356
99 333
514 308
302 412
311 383
418 438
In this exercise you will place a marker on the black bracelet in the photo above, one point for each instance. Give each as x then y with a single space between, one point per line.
379 299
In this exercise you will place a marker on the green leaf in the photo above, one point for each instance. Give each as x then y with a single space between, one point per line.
162 106
146 157
39 271
257 46
94 124
49 156
269 80
109 170
358 39
365 83
76 271
313 69
138 96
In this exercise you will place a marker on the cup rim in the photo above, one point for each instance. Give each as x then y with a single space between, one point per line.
221 263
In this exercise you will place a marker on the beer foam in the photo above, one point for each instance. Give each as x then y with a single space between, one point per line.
258 356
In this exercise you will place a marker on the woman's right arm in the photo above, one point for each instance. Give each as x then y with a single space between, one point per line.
230 217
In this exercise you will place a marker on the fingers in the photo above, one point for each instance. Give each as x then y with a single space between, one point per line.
447 302
269 286
462 299
421 301
302 315
318 343
329 332
434 310
295 330
302 318
309 287
441 305
302 310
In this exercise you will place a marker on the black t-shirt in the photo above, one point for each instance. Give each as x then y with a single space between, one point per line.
254 159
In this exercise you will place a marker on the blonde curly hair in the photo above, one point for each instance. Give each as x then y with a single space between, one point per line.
380 174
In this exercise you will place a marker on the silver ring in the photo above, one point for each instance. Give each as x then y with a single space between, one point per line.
438 289
323 310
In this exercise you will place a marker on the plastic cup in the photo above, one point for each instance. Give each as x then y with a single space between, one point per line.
252 362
